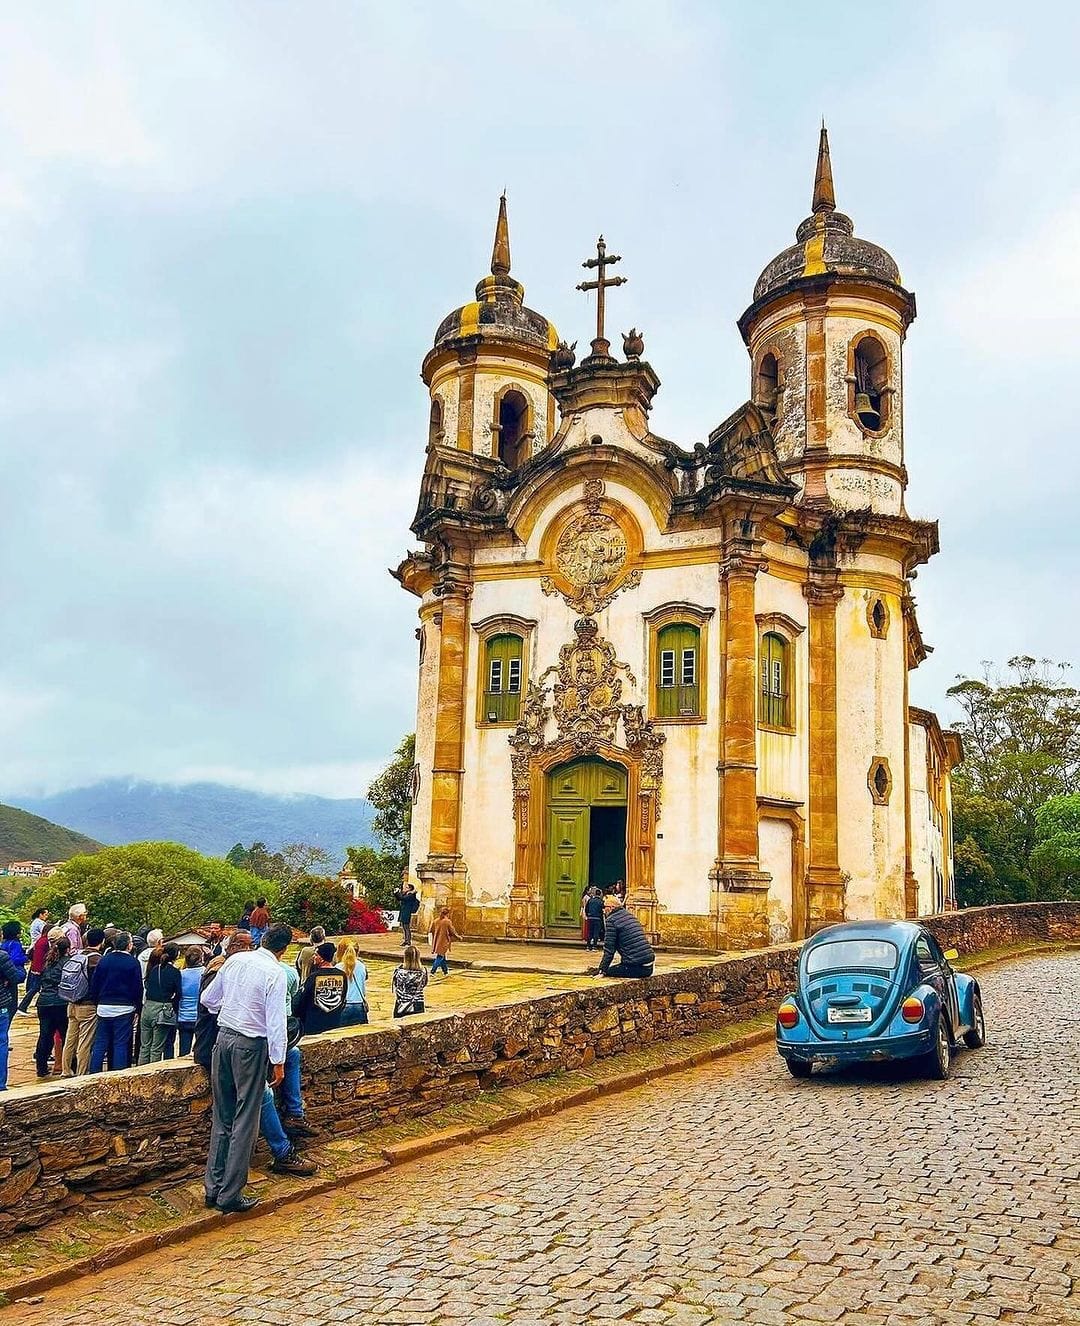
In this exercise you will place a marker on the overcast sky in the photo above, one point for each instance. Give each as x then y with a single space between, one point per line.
229 230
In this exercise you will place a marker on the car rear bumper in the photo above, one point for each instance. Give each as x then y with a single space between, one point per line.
872 1050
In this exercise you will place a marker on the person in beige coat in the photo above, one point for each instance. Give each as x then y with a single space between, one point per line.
441 936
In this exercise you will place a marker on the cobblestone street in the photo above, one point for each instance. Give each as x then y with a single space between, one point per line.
729 1194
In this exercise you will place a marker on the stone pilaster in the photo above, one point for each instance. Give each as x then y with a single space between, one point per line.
824 884
740 897
444 871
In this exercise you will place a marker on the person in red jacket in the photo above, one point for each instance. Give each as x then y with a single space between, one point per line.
37 966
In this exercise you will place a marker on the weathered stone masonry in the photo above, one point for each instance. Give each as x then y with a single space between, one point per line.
101 1136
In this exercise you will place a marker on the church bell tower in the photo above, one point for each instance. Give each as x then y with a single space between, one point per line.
825 334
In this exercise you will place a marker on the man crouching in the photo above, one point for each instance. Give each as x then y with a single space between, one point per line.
624 935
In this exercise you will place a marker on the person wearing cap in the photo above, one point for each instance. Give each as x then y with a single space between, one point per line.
248 996
321 1001
623 934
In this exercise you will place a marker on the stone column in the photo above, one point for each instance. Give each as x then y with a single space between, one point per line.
741 896
444 870
824 885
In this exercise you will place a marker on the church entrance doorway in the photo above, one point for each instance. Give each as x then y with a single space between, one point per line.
586 838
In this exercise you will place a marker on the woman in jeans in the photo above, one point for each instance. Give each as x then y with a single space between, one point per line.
52 1010
356 1005
188 1011
157 1025
408 984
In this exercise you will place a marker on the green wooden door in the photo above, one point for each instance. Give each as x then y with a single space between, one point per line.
568 863
572 790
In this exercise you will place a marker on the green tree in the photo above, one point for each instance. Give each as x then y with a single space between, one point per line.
1055 858
305 859
161 884
308 900
1021 734
377 874
392 796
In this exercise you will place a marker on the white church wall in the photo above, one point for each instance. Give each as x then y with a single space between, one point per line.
783 758
870 724
774 845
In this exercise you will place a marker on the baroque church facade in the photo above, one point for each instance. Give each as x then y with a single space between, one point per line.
682 667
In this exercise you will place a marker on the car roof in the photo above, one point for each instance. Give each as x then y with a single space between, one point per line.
898 932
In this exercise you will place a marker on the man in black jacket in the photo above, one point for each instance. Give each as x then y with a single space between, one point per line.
408 901
623 935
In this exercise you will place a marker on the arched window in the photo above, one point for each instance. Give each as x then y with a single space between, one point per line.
767 386
502 679
678 690
871 373
435 422
512 424
774 704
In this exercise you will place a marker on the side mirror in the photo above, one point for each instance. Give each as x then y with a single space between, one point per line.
951 955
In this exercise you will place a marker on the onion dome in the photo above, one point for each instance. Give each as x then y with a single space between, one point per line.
825 242
499 312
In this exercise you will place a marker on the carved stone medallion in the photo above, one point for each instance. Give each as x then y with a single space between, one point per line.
591 551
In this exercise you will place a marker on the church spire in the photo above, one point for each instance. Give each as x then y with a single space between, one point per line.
824 196
500 253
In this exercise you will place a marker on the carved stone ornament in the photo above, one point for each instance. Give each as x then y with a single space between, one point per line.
586 707
590 555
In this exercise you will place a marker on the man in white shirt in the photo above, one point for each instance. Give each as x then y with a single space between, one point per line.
248 996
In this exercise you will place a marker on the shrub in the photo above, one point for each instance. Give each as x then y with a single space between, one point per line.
364 919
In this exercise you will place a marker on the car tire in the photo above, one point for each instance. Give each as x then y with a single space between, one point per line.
799 1067
975 1039
939 1060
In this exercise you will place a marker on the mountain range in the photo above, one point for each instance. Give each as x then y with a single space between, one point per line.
210 817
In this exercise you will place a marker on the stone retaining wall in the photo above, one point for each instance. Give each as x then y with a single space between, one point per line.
97 1137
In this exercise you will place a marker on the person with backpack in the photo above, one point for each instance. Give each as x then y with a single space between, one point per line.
9 998
407 984
408 901
52 1007
81 1009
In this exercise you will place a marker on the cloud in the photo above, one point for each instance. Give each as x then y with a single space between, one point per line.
227 234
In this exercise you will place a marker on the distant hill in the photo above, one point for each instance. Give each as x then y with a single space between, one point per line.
209 817
26 837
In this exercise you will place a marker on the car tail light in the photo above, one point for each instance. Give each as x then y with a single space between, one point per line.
912 1009
787 1015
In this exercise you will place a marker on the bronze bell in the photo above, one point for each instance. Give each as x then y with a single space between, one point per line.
866 411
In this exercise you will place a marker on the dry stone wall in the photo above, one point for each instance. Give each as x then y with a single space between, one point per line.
98 1137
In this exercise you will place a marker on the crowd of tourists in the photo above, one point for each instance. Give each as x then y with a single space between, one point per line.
107 999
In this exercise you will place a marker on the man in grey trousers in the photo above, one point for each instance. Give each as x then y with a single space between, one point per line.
248 996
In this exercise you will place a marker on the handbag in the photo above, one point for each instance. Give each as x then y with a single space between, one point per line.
166 1016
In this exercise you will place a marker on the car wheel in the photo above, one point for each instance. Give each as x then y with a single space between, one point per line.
939 1060
975 1039
799 1067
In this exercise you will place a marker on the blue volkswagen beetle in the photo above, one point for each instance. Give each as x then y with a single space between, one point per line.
873 990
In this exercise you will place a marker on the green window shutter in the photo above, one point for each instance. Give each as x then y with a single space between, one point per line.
502 699
678 693
775 699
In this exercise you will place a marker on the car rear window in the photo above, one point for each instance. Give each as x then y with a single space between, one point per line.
842 953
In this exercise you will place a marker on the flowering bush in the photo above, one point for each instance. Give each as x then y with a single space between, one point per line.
364 919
